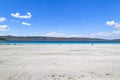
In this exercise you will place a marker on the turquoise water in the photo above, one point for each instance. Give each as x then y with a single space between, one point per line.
60 42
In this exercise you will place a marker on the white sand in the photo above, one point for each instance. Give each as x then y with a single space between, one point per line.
59 62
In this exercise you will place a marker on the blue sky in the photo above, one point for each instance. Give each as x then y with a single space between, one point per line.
67 18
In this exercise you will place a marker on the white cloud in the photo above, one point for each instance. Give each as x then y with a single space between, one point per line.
4 28
36 32
100 34
116 32
2 19
113 34
25 23
18 15
110 35
113 24
57 34
54 34
74 35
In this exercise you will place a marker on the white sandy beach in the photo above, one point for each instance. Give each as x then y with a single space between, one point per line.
60 62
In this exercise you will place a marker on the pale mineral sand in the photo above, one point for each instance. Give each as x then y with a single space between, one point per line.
60 62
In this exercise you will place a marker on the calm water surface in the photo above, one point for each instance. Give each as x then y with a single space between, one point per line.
60 42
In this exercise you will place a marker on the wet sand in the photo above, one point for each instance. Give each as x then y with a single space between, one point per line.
60 62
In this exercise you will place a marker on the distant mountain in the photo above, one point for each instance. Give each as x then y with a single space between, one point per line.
2 39
44 38
116 40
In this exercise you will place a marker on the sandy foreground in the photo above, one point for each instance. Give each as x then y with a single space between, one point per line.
60 62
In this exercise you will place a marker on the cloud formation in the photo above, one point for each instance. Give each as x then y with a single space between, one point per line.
108 35
18 15
112 34
54 34
113 24
4 28
3 19
101 34
26 24
57 34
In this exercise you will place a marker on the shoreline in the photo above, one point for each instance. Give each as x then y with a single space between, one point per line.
59 43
